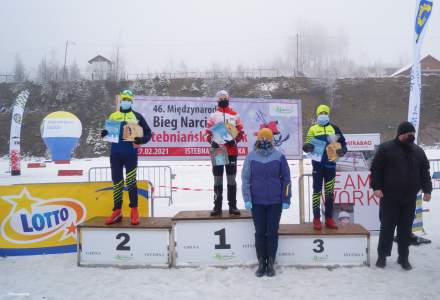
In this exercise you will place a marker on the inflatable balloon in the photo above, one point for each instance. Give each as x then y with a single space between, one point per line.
61 131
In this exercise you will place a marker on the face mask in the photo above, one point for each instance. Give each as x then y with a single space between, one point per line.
223 103
125 105
265 145
323 119
410 139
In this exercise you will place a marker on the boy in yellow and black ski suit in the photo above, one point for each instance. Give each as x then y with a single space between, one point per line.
124 154
325 169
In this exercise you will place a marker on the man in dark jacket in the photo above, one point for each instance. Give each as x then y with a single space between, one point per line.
400 169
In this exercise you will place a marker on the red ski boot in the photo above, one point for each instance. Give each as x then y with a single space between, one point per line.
134 216
317 224
330 223
115 217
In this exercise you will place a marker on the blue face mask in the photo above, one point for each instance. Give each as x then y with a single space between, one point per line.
323 119
125 105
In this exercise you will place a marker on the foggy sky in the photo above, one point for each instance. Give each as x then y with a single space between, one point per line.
159 35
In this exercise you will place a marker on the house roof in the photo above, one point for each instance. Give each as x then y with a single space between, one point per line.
99 58
427 62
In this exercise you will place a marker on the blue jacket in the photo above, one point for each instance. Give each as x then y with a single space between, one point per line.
266 178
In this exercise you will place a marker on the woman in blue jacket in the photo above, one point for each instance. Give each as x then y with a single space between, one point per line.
266 191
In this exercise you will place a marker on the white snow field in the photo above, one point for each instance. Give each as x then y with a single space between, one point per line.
58 277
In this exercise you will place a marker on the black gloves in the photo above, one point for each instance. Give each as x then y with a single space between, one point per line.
308 147
230 143
104 132
340 152
214 144
138 140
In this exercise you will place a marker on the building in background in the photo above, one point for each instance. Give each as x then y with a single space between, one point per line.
429 65
100 68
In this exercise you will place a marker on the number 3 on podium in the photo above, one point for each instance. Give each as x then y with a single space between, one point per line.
319 246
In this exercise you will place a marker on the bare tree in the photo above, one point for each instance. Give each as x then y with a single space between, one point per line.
118 70
19 70
74 72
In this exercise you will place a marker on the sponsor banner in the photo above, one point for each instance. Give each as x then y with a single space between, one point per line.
14 141
43 218
418 219
362 142
361 149
179 125
354 188
423 12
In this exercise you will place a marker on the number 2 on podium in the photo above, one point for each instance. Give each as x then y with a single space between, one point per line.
122 246
222 235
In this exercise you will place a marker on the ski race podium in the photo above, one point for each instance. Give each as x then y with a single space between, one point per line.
194 238
123 244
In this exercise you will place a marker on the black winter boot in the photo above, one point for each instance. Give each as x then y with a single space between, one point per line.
232 200
270 271
261 267
404 263
381 262
218 199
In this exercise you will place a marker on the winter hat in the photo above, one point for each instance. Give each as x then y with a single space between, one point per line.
265 133
405 127
322 108
222 94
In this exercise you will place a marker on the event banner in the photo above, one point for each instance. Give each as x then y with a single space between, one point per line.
14 141
354 196
361 149
179 125
43 218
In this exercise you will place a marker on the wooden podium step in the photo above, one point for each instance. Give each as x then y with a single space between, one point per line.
194 238
122 244
300 244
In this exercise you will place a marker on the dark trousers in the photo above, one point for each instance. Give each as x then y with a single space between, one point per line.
231 173
392 213
328 176
266 221
117 163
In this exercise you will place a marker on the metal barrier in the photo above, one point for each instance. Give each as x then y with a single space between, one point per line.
305 184
160 177
306 190
435 172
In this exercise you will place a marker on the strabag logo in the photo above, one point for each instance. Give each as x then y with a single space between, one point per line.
33 220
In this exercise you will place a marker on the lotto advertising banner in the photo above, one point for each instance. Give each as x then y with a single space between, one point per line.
179 123
353 188
43 218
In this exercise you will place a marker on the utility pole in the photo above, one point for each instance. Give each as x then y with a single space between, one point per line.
297 54
65 59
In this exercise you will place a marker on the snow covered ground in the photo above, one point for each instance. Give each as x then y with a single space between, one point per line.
58 277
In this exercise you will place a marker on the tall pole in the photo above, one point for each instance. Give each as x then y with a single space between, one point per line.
297 54
65 60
